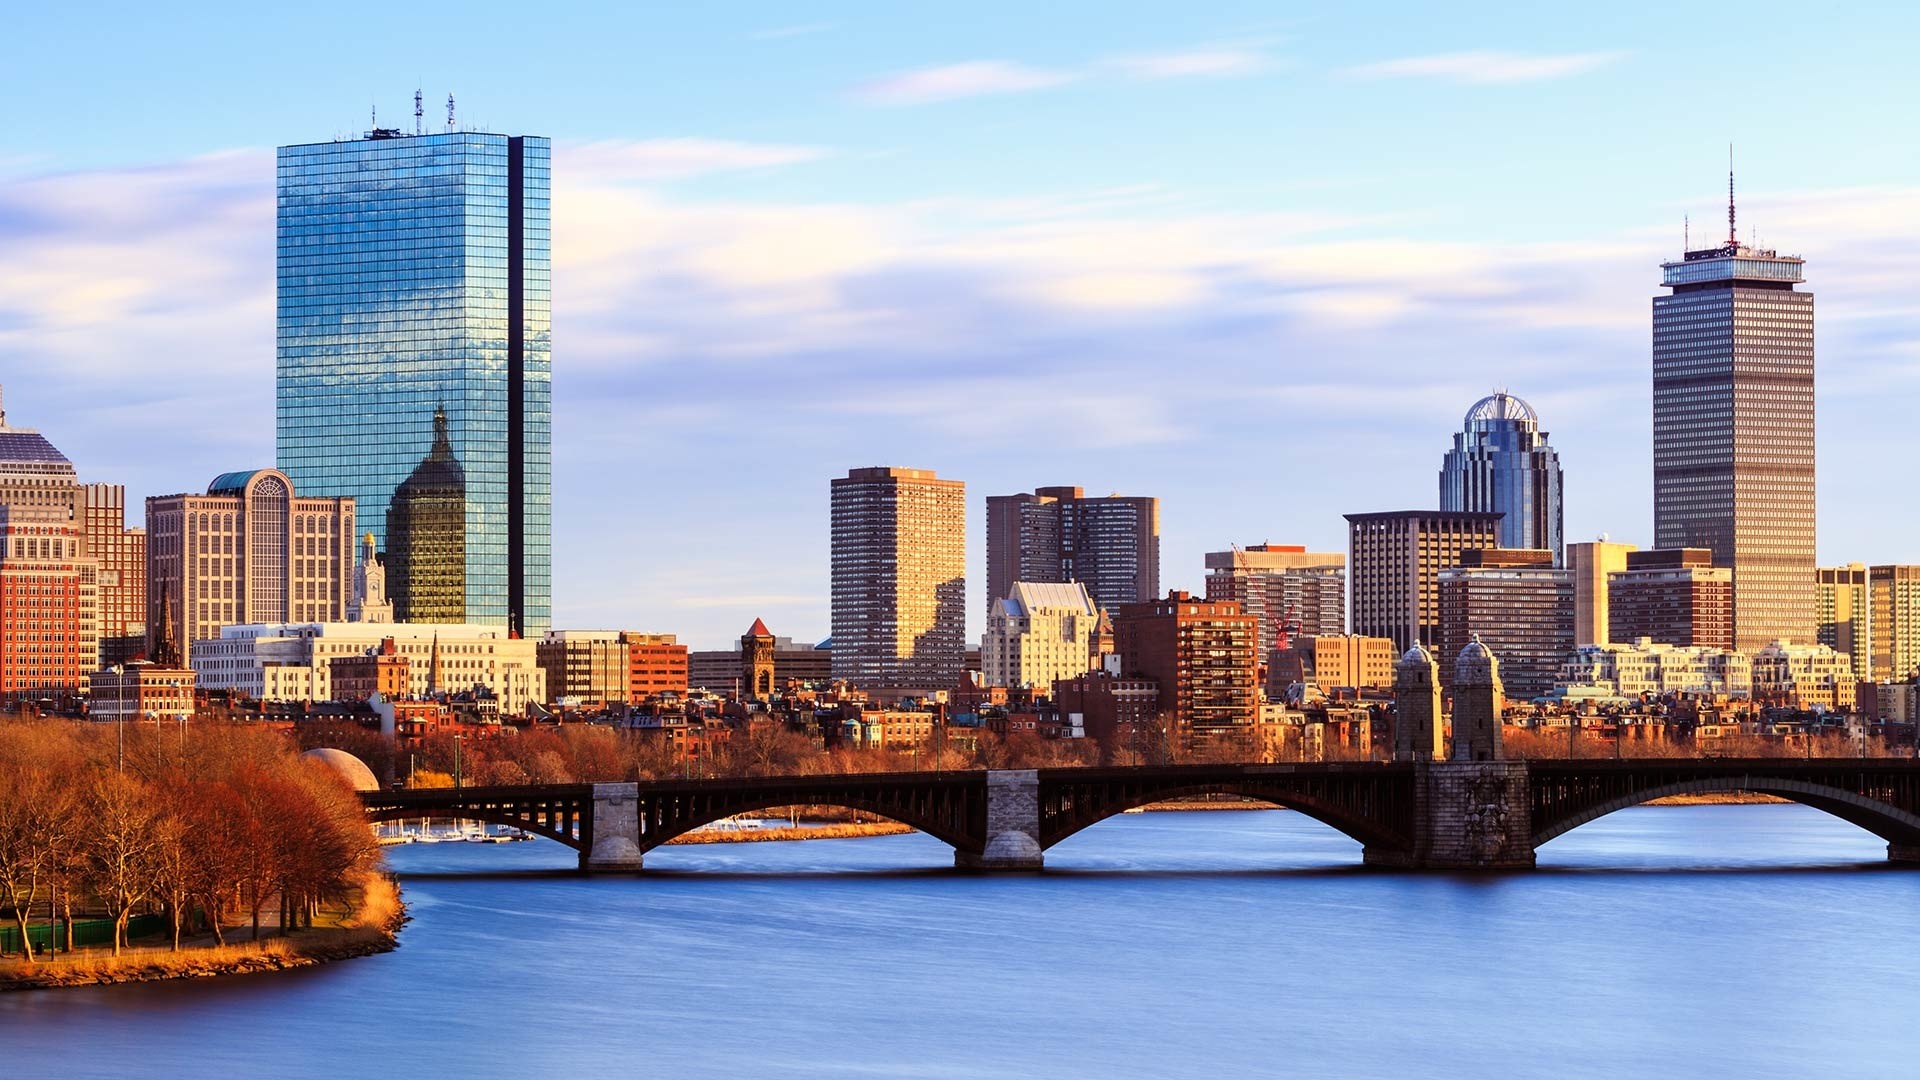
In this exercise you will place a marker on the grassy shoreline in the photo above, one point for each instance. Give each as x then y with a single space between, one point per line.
372 927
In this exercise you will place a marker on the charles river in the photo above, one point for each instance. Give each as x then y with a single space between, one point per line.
1739 941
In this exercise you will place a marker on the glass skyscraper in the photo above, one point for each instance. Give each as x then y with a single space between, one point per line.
414 360
1501 463
1733 430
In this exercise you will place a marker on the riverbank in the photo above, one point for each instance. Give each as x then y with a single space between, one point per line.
371 926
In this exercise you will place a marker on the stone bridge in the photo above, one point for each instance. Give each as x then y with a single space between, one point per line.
1425 815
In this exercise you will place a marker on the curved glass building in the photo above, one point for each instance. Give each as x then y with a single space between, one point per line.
1501 463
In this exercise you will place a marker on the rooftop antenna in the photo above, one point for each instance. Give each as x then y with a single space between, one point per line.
1733 239
373 116
449 112
419 126
1686 232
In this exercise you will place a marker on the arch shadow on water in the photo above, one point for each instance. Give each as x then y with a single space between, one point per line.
1877 816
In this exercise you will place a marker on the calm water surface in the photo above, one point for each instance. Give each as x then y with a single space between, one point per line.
1739 941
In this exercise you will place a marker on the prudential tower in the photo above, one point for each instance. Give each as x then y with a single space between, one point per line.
1733 428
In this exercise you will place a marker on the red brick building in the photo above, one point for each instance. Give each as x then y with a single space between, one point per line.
383 670
44 652
1113 711
1201 653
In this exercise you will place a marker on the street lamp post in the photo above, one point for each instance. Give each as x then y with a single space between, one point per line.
456 761
119 718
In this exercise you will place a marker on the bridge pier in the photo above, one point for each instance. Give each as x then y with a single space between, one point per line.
1469 815
615 828
1903 853
1013 824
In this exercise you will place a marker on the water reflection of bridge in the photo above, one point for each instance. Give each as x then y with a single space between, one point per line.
1438 815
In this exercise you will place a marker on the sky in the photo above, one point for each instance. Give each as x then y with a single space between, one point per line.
1256 259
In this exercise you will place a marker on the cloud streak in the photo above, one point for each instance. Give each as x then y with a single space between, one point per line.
1488 67
951 82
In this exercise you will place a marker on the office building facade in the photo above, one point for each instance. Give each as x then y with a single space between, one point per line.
899 579
251 550
1110 544
414 361
49 587
1394 560
1673 597
1501 463
119 554
1894 602
1843 621
1287 588
1593 563
1733 433
1519 605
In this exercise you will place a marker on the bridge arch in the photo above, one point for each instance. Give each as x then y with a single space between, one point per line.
489 816
1898 827
1371 830
657 832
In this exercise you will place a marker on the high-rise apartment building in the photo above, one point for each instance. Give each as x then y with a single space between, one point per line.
899 568
414 361
1673 597
1843 623
1516 602
1332 661
120 554
1500 462
251 550
1394 561
49 590
1110 544
1284 587
1894 600
1201 654
1733 453
1593 563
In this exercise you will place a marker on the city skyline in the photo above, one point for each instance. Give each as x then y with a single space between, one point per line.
1326 297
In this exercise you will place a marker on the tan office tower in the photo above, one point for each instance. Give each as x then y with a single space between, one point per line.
1394 561
120 554
1285 587
899 579
1894 599
1591 562
1110 544
250 550
1840 593
1733 429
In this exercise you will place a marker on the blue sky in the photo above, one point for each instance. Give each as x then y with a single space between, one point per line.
1255 259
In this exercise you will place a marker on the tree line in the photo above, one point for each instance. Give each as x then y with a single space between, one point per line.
208 824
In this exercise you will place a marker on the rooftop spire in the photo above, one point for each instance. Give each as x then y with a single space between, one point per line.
1732 239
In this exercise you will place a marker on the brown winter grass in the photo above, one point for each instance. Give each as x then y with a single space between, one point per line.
822 832
368 927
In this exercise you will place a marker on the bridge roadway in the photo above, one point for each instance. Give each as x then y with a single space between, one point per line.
1426 815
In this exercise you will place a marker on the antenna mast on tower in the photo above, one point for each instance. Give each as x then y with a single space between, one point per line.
449 112
419 126
1733 239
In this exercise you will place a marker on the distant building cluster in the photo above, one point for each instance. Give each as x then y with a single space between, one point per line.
395 563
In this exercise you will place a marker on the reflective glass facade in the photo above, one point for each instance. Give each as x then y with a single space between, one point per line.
1733 431
415 279
1501 463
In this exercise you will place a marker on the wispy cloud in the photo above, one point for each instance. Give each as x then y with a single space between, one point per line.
1206 63
649 160
976 78
980 78
1488 66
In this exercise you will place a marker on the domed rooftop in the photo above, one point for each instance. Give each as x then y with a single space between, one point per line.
1417 655
350 768
1501 405
1476 650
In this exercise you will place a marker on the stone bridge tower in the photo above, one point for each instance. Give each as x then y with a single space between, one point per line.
1477 704
1417 734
